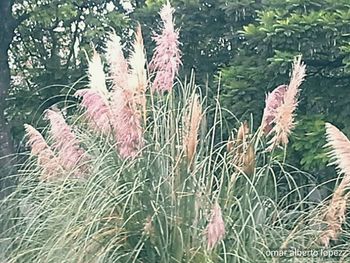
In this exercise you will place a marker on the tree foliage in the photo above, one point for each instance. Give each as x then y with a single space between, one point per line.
250 43
48 51
319 31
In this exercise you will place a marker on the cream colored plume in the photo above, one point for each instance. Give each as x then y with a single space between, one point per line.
340 153
284 119
298 76
192 124
138 75
118 66
336 211
137 61
97 76
242 150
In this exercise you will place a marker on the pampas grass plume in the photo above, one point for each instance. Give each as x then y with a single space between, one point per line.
46 157
192 125
340 156
118 66
216 227
166 58
285 114
97 111
97 76
70 155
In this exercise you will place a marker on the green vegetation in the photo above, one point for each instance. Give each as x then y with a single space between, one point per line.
125 167
319 31
157 207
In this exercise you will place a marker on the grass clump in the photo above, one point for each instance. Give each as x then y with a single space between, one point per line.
138 175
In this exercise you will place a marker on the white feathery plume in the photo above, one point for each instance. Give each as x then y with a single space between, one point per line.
336 211
117 62
340 153
138 75
285 113
298 76
137 61
97 76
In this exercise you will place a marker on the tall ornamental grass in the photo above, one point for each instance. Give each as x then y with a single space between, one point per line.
140 173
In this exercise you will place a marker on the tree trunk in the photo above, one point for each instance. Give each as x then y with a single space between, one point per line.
7 160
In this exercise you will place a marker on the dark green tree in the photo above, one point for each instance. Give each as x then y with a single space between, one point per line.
319 31
8 22
42 48
49 52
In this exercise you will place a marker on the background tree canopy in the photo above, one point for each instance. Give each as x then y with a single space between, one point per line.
250 42
48 51
319 31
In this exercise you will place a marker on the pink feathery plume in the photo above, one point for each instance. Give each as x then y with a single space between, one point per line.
285 114
166 58
118 65
216 227
46 157
127 124
97 111
70 155
272 102
126 117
